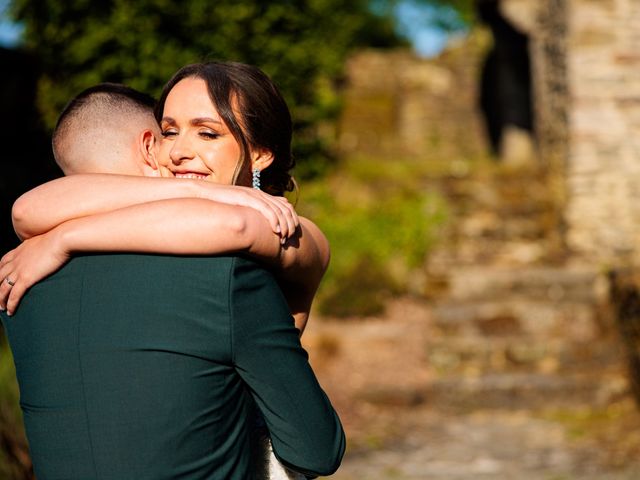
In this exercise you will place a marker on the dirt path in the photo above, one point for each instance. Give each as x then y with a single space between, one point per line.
379 375
483 445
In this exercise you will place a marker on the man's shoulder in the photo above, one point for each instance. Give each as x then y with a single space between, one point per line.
145 259
124 272
151 263
125 276
149 271
254 289
246 270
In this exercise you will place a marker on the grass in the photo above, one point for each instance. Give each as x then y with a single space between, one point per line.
381 223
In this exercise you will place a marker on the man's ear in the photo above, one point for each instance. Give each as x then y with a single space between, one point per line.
147 145
261 159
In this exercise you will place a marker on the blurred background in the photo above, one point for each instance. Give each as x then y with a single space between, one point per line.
476 167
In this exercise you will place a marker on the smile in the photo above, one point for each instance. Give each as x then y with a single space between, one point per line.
197 176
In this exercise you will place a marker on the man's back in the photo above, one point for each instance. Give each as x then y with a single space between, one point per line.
132 366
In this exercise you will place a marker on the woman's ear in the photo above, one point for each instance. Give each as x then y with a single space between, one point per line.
150 167
261 159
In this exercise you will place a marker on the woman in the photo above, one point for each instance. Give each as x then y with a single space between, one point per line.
254 134
221 122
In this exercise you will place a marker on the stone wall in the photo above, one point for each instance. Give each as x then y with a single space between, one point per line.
586 81
400 106
585 58
603 168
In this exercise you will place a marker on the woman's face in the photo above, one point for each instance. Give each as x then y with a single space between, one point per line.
196 142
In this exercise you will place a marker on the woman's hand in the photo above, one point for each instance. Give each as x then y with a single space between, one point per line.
27 264
277 210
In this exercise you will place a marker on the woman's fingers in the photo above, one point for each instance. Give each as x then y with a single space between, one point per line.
280 214
283 224
24 266
12 286
278 211
7 282
273 215
287 216
290 216
15 295
258 201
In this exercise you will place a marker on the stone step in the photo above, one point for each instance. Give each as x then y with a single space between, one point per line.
569 320
497 226
473 355
494 191
554 285
517 391
488 252
525 391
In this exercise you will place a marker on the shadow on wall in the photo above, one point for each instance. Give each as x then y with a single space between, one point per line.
625 296
505 97
26 152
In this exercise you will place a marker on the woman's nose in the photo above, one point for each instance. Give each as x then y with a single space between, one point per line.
180 150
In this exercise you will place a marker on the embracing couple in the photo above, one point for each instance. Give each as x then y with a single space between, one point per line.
155 322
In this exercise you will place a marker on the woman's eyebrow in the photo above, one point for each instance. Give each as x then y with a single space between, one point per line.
201 120
193 121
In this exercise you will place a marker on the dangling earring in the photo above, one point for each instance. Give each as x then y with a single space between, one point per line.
256 179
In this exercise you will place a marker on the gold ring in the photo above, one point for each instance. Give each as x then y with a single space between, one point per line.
9 281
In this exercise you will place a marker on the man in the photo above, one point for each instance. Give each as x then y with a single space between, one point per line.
135 366
114 112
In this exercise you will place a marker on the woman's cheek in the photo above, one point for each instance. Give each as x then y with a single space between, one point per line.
163 153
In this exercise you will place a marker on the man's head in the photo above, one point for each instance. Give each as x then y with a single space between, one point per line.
108 128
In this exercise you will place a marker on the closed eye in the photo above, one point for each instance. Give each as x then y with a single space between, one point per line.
209 135
168 133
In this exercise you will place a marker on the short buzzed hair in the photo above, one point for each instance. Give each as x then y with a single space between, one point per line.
97 128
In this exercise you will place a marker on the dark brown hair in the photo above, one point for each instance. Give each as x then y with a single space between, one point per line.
264 120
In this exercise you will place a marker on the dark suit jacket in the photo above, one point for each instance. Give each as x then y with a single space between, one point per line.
145 367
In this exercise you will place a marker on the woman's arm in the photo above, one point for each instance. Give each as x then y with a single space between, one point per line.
302 263
177 226
55 202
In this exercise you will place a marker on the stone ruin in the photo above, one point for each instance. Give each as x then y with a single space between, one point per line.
585 112
571 215
586 68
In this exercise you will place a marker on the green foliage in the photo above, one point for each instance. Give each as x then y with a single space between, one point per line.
302 45
380 222
14 456
8 386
